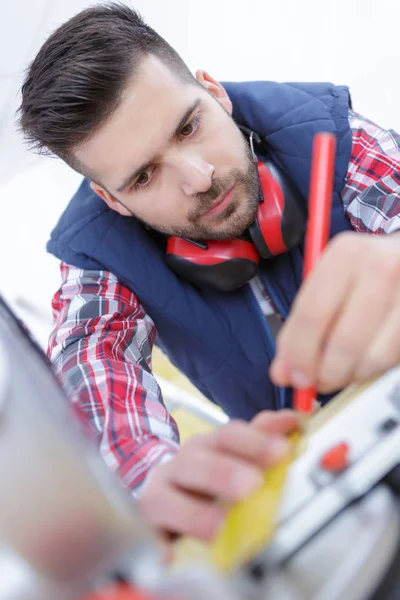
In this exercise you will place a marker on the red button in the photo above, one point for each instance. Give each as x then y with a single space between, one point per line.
336 459
122 592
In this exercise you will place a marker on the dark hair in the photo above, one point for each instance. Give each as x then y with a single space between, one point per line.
76 81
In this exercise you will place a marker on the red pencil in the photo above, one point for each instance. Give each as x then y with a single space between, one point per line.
319 218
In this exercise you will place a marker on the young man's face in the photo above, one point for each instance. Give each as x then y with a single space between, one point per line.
172 155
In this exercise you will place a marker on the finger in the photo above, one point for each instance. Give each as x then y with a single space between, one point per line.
172 510
205 471
280 370
239 439
316 307
353 331
282 422
384 351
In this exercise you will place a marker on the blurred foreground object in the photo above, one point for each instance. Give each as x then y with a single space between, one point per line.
68 529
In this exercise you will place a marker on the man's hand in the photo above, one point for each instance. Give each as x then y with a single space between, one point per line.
190 493
344 325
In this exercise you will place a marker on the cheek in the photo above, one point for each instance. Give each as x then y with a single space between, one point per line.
227 153
163 208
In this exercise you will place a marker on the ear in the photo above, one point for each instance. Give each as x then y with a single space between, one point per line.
110 200
215 88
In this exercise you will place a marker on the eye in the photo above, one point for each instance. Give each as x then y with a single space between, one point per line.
190 128
144 179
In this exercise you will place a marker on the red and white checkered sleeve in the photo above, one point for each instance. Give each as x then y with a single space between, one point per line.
101 349
371 195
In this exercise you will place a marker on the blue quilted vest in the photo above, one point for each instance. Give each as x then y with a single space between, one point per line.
221 341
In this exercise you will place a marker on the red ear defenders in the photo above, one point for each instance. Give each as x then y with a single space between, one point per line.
229 264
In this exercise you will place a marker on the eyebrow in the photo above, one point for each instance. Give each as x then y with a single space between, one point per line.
131 178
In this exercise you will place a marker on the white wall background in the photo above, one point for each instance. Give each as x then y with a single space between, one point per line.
346 41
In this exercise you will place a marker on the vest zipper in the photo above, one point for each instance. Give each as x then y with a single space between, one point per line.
280 396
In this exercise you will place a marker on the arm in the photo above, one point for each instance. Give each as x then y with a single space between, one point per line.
101 349
371 195
101 346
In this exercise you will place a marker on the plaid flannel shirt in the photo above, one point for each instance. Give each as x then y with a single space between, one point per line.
102 339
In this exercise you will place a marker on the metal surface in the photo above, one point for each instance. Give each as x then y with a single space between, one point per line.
4 369
64 518
312 496
345 561
332 499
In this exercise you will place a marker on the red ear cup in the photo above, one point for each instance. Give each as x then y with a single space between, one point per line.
281 219
224 265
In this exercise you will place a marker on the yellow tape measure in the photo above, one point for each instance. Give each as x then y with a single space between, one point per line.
250 523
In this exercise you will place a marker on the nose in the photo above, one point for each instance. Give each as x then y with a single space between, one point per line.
195 173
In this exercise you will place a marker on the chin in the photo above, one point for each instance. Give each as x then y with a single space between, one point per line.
230 230
238 224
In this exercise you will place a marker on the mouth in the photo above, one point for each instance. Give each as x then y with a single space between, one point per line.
220 203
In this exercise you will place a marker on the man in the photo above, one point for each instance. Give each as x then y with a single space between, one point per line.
163 156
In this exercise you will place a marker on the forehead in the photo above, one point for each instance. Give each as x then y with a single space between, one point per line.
151 107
